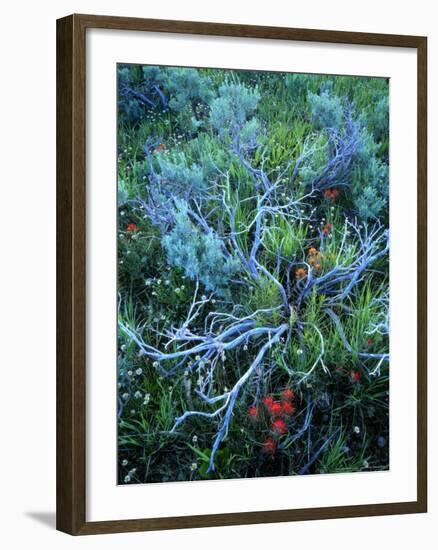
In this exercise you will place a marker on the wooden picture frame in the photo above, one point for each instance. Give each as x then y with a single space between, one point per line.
71 273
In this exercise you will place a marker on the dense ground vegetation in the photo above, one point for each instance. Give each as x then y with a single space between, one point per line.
253 274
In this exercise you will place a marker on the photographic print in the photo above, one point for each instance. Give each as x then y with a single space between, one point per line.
253 274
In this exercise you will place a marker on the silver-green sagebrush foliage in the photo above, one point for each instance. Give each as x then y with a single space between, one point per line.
200 255
253 285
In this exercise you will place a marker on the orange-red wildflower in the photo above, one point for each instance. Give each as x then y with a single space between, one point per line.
287 408
269 446
276 409
268 401
287 394
331 194
327 228
355 376
279 426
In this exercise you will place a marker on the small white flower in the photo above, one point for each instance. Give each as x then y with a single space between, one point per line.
170 388
125 396
213 301
245 348
137 394
139 371
155 364
203 297
198 358
300 351
124 462
146 398
193 466
195 439
129 372
127 479
356 430
167 282
177 290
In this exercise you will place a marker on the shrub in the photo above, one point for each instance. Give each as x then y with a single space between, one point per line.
326 110
191 94
188 88
369 186
231 111
139 91
176 180
199 255
182 179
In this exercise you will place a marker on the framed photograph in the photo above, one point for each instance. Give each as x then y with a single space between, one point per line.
241 274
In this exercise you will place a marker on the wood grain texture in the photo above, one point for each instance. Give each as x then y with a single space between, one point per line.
71 270
422 275
71 231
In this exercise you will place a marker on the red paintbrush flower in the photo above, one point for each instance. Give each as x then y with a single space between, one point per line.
279 426
131 227
276 409
331 194
287 394
269 446
268 401
327 228
287 408
355 376
253 413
